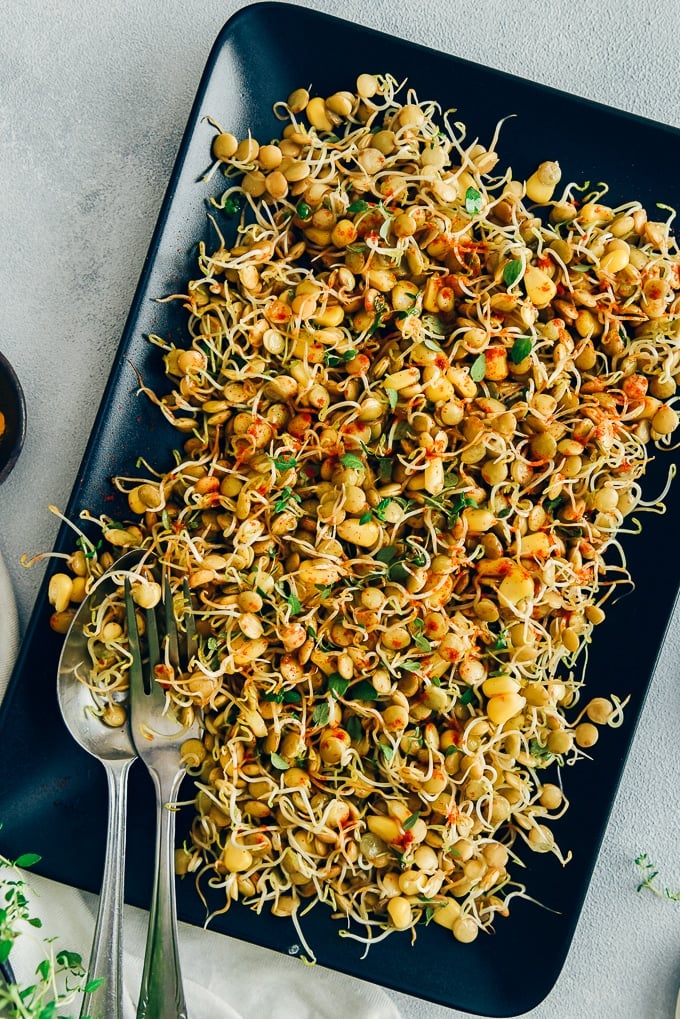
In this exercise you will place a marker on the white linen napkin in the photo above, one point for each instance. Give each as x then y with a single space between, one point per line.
223 978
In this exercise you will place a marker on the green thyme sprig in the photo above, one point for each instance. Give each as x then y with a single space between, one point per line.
649 876
59 977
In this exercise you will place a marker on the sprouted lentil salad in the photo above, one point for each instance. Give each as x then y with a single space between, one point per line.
416 401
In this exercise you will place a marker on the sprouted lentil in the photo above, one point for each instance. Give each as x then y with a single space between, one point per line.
416 397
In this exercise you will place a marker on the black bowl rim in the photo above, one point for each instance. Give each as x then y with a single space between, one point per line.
16 434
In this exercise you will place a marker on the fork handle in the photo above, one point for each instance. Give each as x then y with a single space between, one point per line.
107 949
161 994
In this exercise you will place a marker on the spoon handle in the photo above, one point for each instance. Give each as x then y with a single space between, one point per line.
105 1001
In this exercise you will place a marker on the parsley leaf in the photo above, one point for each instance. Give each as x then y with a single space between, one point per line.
321 713
512 271
283 463
364 691
332 360
351 460
337 685
285 496
422 643
392 397
473 201
478 368
520 349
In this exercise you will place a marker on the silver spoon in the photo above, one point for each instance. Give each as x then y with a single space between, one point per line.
114 748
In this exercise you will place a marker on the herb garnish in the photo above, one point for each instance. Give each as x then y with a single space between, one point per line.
649 876
59 977
520 349
473 201
512 271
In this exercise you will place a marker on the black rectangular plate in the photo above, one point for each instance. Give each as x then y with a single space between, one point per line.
53 796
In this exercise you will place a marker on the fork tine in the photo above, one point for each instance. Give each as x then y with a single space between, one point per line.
136 670
170 626
153 648
189 625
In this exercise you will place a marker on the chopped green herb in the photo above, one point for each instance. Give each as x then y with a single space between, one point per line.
337 685
294 604
410 666
387 554
283 463
520 349
466 696
410 821
364 691
379 510
359 206
473 201
501 642
422 643
392 397
379 308
332 360
352 460
539 750
279 762
398 572
232 205
321 713
385 466
285 496
478 368
550 505
512 271
432 344
354 728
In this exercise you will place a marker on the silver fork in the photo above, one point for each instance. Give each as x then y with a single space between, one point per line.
158 736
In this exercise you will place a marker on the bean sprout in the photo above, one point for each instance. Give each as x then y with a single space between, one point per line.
417 398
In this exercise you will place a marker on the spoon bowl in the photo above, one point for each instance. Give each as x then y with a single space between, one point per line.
105 742
112 746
